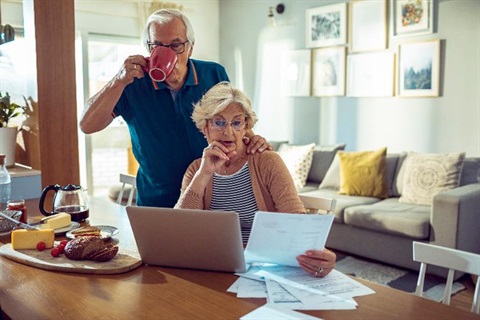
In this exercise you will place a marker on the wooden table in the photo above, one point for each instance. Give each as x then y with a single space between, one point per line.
167 293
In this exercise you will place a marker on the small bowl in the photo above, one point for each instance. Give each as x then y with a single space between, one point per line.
7 226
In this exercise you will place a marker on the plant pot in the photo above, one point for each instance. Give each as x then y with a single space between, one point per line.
8 142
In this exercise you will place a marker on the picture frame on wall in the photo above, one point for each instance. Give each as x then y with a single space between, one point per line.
295 73
328 73
326 26
419 69
412 17
368 25
371 74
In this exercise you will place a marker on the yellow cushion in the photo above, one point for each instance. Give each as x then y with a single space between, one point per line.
363 173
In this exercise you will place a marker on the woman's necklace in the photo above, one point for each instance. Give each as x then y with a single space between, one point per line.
233 164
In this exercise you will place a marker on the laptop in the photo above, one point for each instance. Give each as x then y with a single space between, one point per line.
187 238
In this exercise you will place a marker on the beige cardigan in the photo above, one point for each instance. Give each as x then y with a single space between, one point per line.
272 185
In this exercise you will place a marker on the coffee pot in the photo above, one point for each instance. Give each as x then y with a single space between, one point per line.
70 199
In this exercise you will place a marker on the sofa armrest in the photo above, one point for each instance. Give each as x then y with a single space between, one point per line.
455 218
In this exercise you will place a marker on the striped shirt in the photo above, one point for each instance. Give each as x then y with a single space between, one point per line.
234 193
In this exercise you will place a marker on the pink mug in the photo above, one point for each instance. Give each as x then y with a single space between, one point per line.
160 63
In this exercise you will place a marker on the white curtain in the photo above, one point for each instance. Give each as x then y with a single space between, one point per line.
273 109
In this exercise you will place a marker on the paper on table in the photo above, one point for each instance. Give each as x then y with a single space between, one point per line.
248 288
279 238
272 312
336 284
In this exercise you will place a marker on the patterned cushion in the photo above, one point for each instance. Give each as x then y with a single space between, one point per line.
298 159
426 175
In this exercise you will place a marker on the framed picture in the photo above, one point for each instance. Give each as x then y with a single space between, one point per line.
326 26
295 73
412 17
371 74
419 69
328 72
368 25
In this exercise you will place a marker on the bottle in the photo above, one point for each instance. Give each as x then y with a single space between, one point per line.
5 183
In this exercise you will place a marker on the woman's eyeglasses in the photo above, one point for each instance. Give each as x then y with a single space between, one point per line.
177 47
221 124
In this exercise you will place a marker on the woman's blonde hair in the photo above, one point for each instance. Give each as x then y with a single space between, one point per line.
217 99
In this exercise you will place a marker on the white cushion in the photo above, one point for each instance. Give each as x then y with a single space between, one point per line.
298 159
332 177
425 175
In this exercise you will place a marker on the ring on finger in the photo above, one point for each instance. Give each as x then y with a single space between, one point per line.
319 271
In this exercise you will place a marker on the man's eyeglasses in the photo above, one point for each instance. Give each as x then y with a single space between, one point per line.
177 47
221 124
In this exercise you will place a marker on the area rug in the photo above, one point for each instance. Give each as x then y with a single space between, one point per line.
401 279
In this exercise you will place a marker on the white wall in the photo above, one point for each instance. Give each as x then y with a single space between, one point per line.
449 123
119 17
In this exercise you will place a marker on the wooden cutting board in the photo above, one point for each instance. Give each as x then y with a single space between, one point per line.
124 261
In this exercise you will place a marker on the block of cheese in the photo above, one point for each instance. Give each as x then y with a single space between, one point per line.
28 239
57 221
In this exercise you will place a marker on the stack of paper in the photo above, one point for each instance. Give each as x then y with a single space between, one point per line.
275 241
293 288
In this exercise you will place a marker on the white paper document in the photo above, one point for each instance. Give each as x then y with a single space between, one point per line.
279 238
293 288
273 312
336 284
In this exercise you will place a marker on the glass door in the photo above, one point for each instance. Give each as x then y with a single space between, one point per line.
103 154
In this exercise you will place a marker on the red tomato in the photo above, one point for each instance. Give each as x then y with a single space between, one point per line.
55 252
41 246
61 248
64 242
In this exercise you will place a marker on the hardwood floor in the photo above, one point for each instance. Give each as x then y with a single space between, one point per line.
463 300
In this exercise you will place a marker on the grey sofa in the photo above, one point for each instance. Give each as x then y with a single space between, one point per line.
384 229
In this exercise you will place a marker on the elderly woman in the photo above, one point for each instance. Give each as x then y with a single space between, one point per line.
227 178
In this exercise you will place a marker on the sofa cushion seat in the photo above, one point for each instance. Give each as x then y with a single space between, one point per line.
393 217
343 201
309 186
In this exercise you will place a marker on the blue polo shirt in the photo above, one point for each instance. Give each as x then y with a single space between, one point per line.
164 138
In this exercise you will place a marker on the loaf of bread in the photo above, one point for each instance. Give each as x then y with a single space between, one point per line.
90 248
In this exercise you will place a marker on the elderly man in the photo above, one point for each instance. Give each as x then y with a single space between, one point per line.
164 137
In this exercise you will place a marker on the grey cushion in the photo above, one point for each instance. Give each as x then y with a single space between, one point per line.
392 160
470 172
390 216
397 187
322 158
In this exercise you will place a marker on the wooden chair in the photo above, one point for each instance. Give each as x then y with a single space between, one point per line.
127 180
318 205
452 259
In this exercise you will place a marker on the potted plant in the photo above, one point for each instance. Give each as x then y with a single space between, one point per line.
8 135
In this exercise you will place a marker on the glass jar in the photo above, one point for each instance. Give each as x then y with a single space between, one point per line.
18 205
